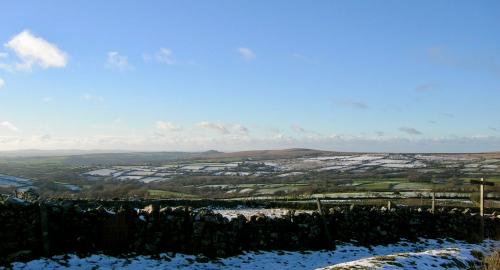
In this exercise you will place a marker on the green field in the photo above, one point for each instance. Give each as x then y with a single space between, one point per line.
164 194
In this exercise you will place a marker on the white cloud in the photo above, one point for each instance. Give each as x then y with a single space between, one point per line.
45 137
117 62
241 129
246 53
2 83
9 126
147 57
164 55
236 129
167 126
186 142
298 129
90 97
33 50
220 128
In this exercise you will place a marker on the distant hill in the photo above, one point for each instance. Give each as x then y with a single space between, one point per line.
50 153
274 154
79 157
135 158
103 158
159 157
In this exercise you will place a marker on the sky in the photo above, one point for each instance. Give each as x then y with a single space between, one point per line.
384 76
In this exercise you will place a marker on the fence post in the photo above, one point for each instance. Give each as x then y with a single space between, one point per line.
330 243
481 184
481 208
433 210
481 199
320 207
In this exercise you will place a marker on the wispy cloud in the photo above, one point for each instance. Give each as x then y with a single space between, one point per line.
34 51
8 126
428 87
304 132
303 58
356 104
246 53
440 55
220 128
47 99
298 129
409 130
241 129
117 62
450 115
164 55
217 127
167 126
90 97
2 83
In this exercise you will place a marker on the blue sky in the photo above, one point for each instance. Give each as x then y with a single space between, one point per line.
234 75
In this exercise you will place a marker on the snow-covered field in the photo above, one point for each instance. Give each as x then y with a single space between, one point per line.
294 167
425 255
13 181
249 212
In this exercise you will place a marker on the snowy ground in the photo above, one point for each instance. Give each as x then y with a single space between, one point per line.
249 212
425 255
448 258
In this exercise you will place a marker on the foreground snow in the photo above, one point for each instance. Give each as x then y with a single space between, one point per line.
425 254
448 258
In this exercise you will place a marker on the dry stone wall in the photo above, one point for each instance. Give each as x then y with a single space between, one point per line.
28 230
